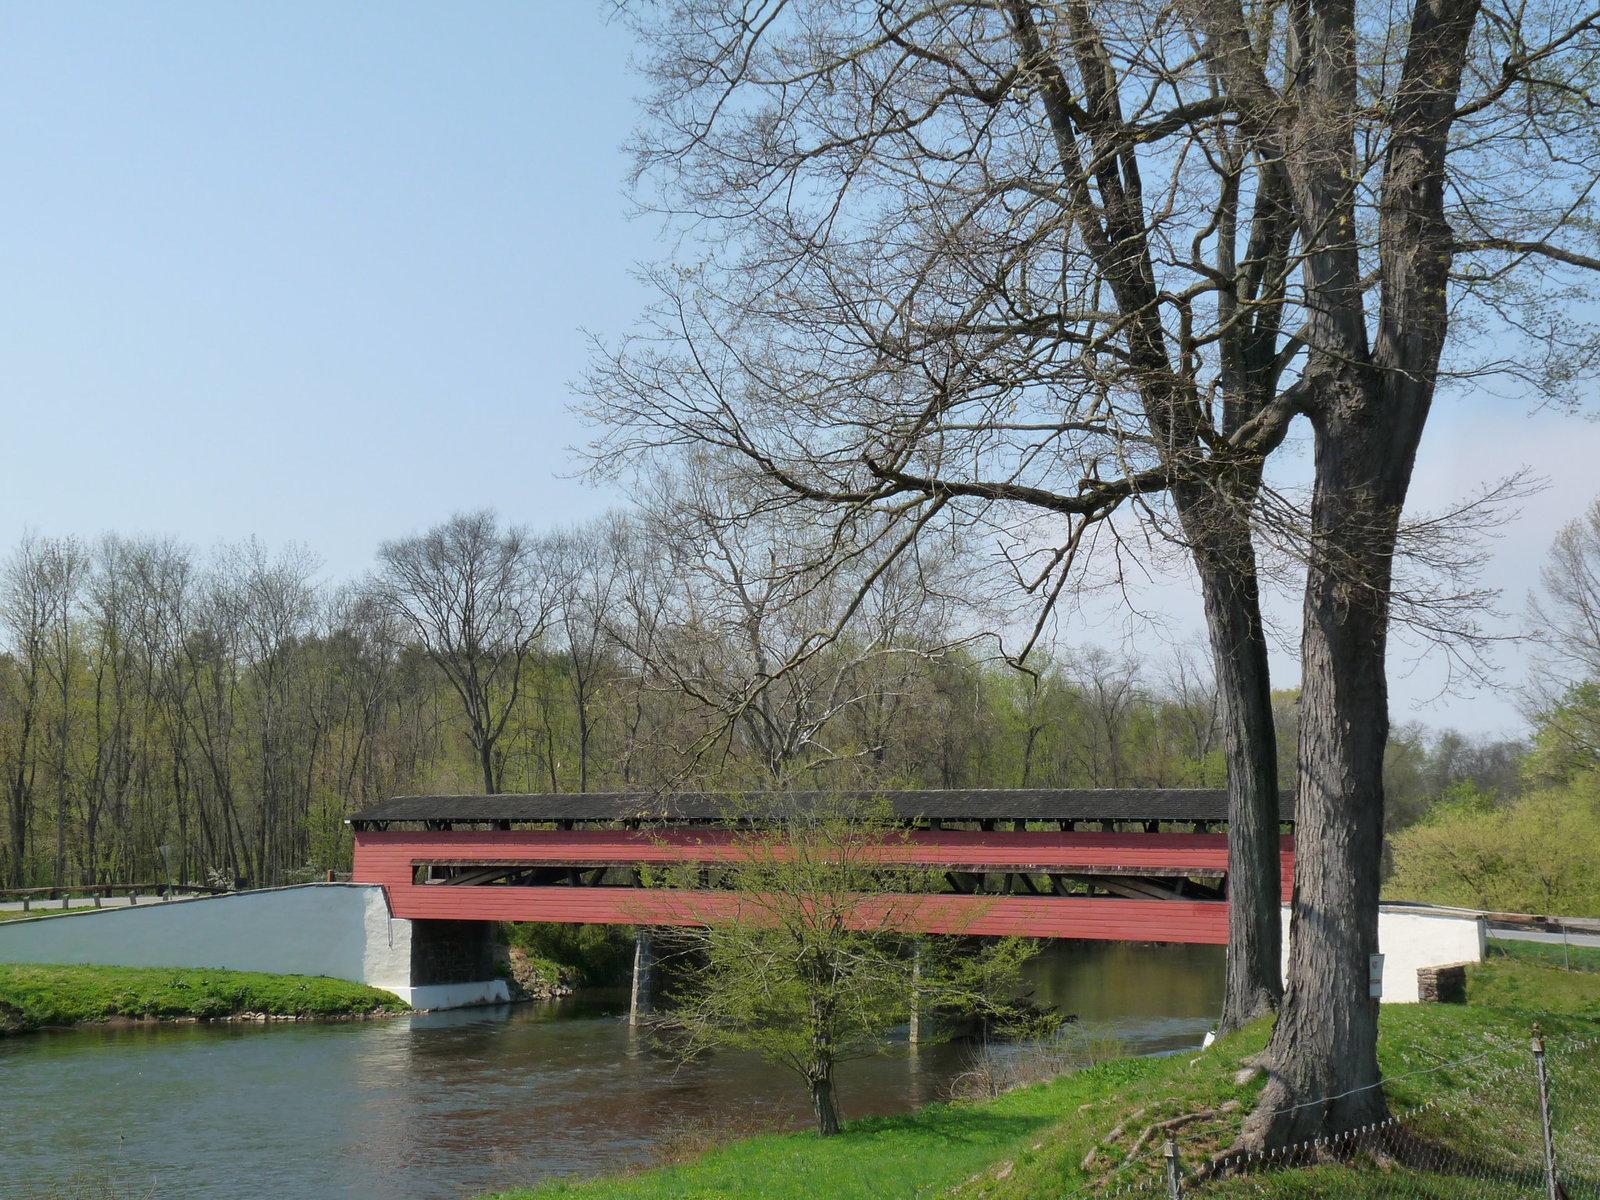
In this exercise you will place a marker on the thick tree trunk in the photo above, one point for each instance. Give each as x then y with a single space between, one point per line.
1322 1060
1255 923
1216 522
1368 423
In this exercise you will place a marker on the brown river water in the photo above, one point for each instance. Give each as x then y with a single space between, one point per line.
444 1105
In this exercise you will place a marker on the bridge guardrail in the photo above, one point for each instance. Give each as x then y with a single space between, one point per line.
101 891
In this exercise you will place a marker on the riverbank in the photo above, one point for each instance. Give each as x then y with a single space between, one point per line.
36 997
1042 1142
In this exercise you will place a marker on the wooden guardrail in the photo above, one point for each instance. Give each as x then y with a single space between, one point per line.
101 891
1540 924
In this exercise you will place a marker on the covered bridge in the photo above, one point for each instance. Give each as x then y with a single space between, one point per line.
1115 864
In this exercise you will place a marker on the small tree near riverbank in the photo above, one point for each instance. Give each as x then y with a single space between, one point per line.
806 939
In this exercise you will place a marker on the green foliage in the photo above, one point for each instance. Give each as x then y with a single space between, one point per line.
1461 799
1535 855
235 712
806 955
33 996
229 708
1423 771
1545 954
592 955
1566 736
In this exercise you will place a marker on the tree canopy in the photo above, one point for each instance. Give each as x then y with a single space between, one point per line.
1030 266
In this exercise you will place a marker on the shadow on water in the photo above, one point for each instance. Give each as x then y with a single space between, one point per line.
443 1105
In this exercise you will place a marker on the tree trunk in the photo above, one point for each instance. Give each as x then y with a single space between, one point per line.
1255 924
821 1082
1216 522
19 827
1322 1059
61 815
485 747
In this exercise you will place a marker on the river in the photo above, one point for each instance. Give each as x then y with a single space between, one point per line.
443 1105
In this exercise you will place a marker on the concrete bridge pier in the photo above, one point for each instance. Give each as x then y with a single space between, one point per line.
643 969
452 954
916 992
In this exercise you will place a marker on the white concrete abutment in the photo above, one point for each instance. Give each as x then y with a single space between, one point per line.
1412 937
343 931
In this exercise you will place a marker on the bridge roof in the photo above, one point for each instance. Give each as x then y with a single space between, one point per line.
985 804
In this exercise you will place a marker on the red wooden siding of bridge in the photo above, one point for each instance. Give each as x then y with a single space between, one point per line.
389 858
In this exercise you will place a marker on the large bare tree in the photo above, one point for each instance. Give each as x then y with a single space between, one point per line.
1000 260
756 600
477 599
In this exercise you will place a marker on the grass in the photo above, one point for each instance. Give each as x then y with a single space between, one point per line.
39 910
1046 1141
1507 984
80 906
33 996
1545 954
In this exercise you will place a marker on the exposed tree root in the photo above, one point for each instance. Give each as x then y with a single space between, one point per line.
1148 1136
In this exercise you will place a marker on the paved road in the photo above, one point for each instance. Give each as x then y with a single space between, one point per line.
77 904
1510 934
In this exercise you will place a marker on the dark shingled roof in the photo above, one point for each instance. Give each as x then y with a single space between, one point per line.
1033 804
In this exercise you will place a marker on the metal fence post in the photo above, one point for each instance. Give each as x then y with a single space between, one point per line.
1174 1177
1544 1114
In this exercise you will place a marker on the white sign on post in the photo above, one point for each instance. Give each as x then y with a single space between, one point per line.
1375 976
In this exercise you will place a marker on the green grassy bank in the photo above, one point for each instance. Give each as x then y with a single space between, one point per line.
34 997
53 909
1545 954
1043 1142
39 910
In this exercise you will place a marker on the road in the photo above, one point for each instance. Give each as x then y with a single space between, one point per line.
78 904
1511 933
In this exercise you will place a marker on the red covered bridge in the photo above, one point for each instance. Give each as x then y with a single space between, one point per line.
1106 864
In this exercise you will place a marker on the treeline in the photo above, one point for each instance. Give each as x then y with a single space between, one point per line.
1523 840
1528 840
219 715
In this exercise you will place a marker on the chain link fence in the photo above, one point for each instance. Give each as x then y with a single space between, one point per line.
1526 1128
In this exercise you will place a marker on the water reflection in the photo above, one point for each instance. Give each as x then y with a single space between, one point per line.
457 1104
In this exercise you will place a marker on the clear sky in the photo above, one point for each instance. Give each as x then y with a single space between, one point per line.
319 273
313 272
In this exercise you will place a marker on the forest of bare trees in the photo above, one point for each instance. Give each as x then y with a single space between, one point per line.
234 707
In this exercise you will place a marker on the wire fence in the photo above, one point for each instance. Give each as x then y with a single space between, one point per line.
1528 1127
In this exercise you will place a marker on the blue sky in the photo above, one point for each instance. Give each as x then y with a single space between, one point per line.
307 272
317 273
